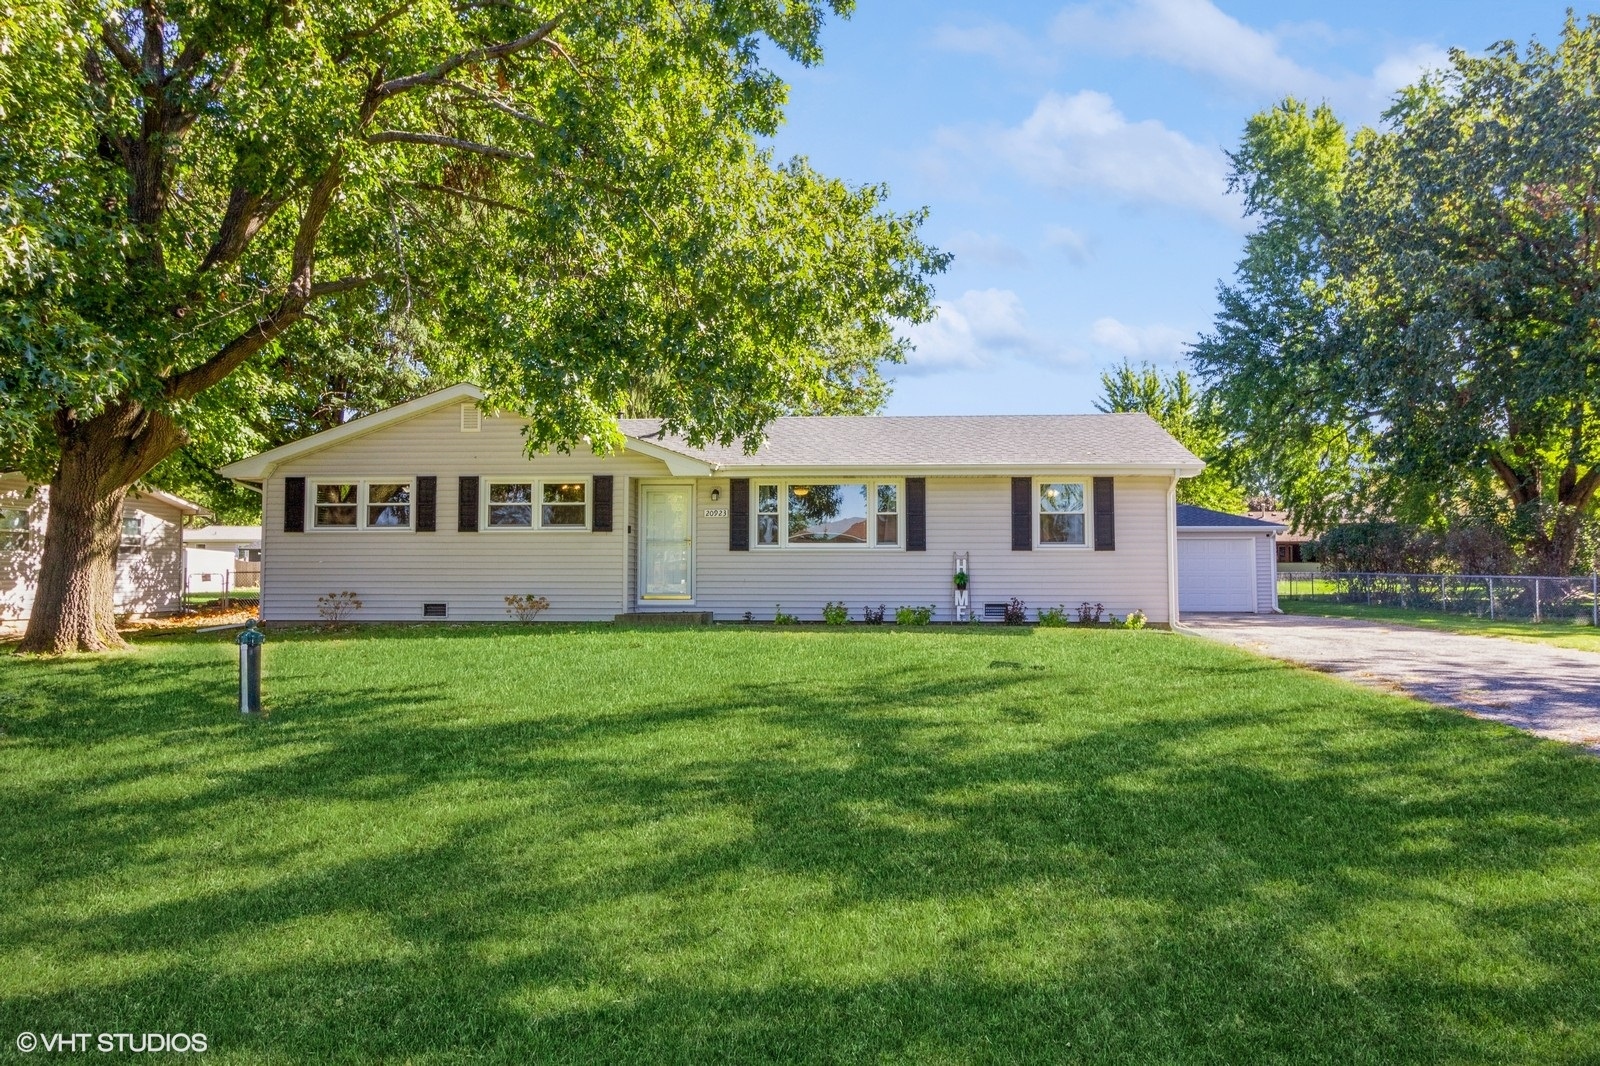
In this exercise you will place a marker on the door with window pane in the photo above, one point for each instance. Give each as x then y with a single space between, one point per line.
666 542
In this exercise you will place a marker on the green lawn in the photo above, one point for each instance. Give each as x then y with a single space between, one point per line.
730 845
1578 634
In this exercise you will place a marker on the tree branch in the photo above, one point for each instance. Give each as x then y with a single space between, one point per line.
246 213
497 104
475 55
119 50
440 141
462 194
338 285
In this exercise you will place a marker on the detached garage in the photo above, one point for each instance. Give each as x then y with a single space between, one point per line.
1226 562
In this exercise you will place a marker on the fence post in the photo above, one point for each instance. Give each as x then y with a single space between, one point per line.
1594 597
1444 596
1536 607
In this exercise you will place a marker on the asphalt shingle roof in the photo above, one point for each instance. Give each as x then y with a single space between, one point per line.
1190 515
944 440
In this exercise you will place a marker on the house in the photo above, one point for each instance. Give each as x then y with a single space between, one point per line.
432 509
1293 544
150 572
222 558
1226 562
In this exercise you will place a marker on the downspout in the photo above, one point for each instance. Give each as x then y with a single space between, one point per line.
1172 551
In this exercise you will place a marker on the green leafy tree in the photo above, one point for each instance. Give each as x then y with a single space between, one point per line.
1422 300
1186 413
204 202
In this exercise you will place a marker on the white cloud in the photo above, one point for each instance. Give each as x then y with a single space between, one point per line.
1404 68
993 40
1066 239
1082 141
988 249
1154 343
973 331
1193 34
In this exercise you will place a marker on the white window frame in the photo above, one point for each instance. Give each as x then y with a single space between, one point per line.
538 484
1086 484
16 539
362 503
125 542
783 485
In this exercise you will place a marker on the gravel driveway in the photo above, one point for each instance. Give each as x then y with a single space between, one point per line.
1554 692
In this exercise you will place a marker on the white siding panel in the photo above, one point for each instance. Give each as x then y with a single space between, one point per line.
394 573
1266 575
964 514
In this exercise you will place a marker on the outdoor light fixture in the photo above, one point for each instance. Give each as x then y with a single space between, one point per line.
716 494
801 490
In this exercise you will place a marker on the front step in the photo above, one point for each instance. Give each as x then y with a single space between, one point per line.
665 618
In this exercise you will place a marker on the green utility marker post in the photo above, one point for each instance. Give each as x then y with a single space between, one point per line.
250 642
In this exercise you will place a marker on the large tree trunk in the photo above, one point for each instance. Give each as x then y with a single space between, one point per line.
100 460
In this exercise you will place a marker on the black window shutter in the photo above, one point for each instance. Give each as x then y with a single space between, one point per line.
427 503
1022 514
1105 514
739 514
602 504
467 504
916 514
294 505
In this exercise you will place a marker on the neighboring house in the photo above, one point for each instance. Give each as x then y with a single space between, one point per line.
433 510
1291 544
150 571
222 558
1226 562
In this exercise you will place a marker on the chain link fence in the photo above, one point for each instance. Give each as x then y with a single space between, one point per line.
1538 598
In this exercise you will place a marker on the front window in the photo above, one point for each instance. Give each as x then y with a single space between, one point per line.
851 513
547 504
336 506
510 505
132 532
13 528
389 505
564 505
888 514
1061 518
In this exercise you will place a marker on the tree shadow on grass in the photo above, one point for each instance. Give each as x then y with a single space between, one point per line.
868 865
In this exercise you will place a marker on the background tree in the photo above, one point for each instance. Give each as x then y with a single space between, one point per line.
1188 415
200 198
1433 291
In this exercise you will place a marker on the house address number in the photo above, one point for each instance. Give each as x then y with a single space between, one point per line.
716 512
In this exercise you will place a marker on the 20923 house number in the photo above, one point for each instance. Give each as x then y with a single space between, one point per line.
716 512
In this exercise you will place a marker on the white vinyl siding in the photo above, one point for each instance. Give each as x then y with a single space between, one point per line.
395 572
964 514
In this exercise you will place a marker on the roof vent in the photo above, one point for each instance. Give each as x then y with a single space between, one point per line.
994 612
471 418
436 610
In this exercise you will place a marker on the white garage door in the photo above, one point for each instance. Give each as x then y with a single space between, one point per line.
1216 574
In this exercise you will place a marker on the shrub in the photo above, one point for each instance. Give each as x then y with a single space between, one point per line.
1089 613
1135 620
1016 613
835 614
337 607
526 608
913 616
873 616
781 619
1053 617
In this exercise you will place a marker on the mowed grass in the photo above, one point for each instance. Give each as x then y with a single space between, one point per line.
1577 634
731 845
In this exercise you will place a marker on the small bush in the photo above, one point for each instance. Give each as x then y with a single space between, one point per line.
526 608
873 616
1135 620
835 614
1089 613
1016 613
781 619
749 616
913 616
1053 617
337 607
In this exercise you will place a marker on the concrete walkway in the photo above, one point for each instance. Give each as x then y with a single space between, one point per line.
1554 692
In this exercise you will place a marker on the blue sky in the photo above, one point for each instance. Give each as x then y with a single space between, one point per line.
1071 156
